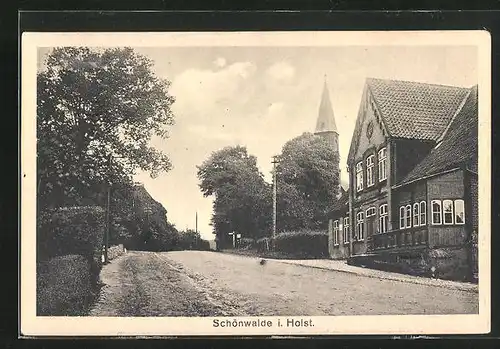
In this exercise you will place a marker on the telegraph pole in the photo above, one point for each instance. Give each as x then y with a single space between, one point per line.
274 162
196 222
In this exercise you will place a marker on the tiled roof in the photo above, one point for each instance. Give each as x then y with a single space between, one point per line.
458 146
415 110
342 202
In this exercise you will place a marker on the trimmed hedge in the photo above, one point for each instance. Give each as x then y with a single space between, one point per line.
306 244
263 244
71 230
64 286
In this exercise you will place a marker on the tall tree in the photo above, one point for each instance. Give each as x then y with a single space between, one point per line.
94 106
308 179
242 198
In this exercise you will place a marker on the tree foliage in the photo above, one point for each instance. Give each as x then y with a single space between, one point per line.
94 106
242 198
307 182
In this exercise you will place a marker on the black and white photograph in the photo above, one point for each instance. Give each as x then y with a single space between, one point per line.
271 183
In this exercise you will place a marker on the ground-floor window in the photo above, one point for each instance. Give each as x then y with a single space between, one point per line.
383 219
436 212
448 212
346 230
336 232
360 233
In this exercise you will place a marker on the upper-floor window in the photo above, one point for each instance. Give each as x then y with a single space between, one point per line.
383 219
359 176
382 164
370 173
346 230
416 214
360 232
436 212
336 232
423 213
459 212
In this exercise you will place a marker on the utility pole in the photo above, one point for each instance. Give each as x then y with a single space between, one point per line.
274 162
196 222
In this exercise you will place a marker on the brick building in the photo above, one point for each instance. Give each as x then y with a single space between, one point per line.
413 188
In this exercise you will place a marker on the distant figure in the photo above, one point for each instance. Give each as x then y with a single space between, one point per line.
262 262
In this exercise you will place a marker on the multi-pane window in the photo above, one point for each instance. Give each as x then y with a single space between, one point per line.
423 213
408 216
416 214
346 230
459 212
382 164
359 176
402 218
383 219
360 233
447 212
436 212
336 232
370 174
370 212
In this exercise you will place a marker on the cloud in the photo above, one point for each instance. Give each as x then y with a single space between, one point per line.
220 62
281 72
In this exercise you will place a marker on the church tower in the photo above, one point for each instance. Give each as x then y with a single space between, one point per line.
326 126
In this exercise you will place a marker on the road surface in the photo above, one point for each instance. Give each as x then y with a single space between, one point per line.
196 283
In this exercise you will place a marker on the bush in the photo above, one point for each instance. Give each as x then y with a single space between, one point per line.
306 244
64 286
203 245
71 230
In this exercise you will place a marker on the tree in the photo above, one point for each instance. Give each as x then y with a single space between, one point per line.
94 106
242 197
307 176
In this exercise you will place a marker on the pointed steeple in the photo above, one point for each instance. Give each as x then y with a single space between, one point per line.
326 119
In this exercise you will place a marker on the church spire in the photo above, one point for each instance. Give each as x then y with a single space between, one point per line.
326 119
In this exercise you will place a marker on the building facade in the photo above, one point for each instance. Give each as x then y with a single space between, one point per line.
412 191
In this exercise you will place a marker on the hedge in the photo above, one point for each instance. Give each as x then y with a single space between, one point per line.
246 243
263 244
71 230
307 244
64 286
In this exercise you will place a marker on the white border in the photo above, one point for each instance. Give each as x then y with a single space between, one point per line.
31 325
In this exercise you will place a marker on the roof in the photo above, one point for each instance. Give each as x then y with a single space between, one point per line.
326 119
458 145
415 110
342 203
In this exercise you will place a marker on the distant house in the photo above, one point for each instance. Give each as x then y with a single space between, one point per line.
412 200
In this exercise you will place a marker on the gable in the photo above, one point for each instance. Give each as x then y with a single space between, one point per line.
361 140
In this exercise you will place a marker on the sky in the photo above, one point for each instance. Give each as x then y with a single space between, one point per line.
261 97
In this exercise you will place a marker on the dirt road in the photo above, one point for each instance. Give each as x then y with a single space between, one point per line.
195 283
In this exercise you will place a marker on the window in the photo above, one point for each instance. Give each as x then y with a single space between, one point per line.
408 216
423 213
346 230
336 232
416 214
436 212
359 176
459 212
382 164
360 226
370 174
402 218
447 212
383 219
370 212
